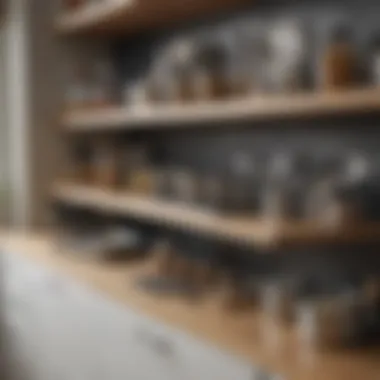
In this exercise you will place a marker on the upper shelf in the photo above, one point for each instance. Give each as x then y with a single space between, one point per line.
251 231
234 110
128 16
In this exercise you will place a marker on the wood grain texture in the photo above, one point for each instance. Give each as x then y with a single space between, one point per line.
129 16
242 333
211 114
257 232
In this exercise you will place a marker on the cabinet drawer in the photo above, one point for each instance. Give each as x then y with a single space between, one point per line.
179 356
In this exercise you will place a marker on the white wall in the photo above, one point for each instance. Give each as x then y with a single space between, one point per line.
33 76
16 41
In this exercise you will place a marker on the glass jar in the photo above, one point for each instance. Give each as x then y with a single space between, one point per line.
375 61
78 90
242 185
105 161
337 64
275 195
209 69
104 81
287 56
249 59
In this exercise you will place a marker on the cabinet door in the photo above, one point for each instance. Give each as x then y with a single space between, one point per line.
25 329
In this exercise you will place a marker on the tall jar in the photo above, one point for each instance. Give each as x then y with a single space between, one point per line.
337 63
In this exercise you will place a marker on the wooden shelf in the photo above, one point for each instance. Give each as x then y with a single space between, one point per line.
213 113
252 231
128 16
241 334
166 213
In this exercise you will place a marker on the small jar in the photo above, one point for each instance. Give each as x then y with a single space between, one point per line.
81 170
327 323
209 76
338 61
141 176
277 302
287 56
105 161
141 181
275 195
242 185
185 186
375 61
249 60
211 193
78 91
103 87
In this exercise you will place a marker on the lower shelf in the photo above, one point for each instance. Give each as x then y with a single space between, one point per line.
257 232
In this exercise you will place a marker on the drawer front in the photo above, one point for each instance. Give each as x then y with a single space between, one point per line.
88 336
188 357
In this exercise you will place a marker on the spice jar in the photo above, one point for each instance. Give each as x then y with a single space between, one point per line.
242 185
184 186
209 74
81 170
169 79
247 71
141 175
211 192
77 92
375 61
338 60
286 56
275 199
346 206
103 86
105 161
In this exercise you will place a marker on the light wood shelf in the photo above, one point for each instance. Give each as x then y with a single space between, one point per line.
213 113
240 333
172 214
250 231
129 16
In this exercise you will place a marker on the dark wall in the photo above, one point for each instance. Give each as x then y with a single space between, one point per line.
209 149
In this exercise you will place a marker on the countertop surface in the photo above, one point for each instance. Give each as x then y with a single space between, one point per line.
240 333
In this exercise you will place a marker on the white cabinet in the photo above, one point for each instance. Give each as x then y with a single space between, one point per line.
62 330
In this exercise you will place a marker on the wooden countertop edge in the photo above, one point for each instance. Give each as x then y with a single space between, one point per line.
237 333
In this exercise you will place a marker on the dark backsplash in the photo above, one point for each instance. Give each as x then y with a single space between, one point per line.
208 149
